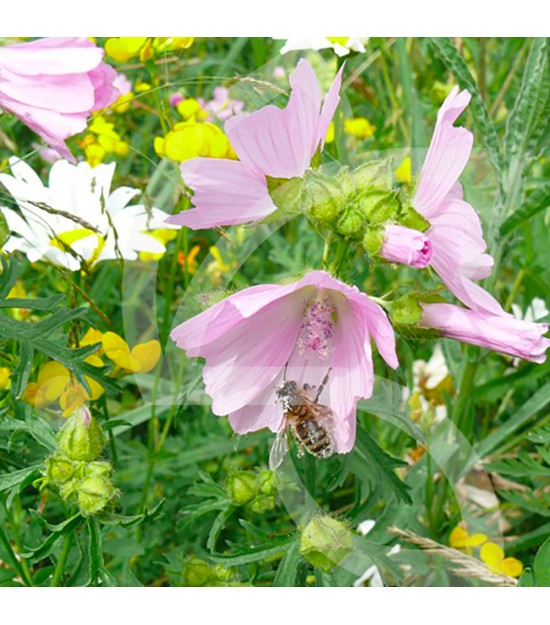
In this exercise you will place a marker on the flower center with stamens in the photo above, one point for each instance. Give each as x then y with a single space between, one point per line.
317 329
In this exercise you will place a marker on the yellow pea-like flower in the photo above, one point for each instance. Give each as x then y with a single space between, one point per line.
461 539
123 49
4 378
140 359
404 172
493 556
360 127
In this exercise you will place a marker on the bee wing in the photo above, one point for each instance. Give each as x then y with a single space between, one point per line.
278 450
325 416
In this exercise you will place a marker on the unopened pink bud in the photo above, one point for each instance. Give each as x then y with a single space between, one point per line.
406 246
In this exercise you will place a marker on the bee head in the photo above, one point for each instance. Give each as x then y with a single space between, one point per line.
286 394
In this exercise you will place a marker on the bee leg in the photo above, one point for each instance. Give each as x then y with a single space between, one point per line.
322 385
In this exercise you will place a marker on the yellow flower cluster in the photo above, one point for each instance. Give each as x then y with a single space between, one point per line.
56 385
359 127
190 139
122 49
102 139
490 553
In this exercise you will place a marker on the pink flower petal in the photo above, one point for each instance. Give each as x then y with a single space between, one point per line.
225 193
281 142
459 254
330 104
447 156
502 333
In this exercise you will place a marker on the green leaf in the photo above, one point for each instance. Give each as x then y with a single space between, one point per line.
541 565
529 410
254 554
99 576
528 118
369 461
57 532
537 201
16 478
458 67
527 579
288 568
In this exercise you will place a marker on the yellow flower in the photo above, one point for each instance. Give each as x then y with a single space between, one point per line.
123 49
123 103
142 87
404 172
191 139
330 133
191 261
140 359
190 109
173 43
493 556
4 378
92 337
164 235
360 127
55 383
218 266
460 539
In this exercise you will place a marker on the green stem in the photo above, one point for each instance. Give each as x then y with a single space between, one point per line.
20 566
460 412
60 566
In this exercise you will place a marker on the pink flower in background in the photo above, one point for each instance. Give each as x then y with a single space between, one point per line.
455 229
306 328
53 84
501 332
221 106
406 246
274 142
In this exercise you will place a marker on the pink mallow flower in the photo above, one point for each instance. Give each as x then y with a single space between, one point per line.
501 332
274 142
257 338
455 229
53 84
406 246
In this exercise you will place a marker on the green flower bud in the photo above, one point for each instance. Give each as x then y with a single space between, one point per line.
242 487
373 241
197 572
69 490
286 194
412 219
99 468
94 493
59 469
323 197
406 310
81 438
262 503
223 574
373 175
379 207
268 485
325 542
351 224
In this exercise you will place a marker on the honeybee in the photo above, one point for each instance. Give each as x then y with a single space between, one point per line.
309 422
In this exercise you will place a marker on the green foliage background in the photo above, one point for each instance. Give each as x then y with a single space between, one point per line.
177 520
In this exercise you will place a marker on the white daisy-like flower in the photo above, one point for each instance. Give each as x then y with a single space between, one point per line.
75 220
427 377
536 311
430 374
341 45
372 574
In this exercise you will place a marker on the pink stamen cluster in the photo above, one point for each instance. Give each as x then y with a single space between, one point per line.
317 329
